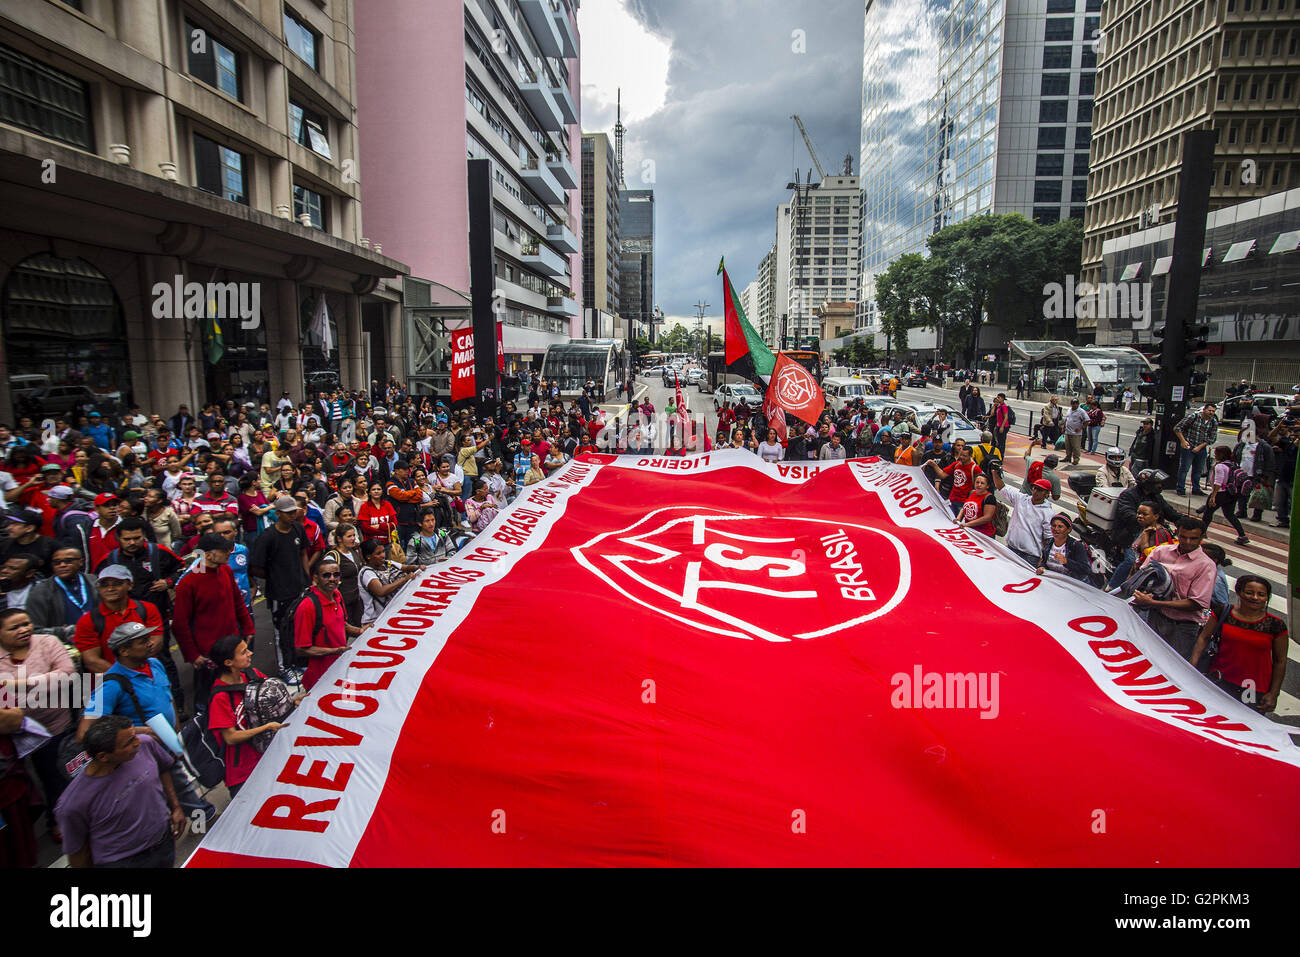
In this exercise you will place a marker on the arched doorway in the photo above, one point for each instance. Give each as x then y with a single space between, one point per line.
320 369
63 321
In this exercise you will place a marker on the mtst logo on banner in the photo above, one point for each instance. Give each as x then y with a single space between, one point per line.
752 576
793 388
462 365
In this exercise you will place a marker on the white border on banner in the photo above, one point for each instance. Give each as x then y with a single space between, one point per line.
315 774
1075 602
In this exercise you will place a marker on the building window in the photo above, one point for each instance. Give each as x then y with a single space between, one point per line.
1078 190
220 170
1080 164
1088 58
1051 138
1060 6
38 98
1056 58
309 129
1047 214
1086 83
214 63
1059 28
1053 111
1056 84
1047 191
309 202
302 39
1082 137
1050 164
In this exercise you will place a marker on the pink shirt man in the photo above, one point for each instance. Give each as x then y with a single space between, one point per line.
1193 576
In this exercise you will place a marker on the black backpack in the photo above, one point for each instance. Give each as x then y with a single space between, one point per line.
72 756
100 622
288 650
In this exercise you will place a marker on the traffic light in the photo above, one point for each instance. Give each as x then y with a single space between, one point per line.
1197 389
1196 339
1150 383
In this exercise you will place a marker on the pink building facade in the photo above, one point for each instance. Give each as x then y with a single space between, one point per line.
440 83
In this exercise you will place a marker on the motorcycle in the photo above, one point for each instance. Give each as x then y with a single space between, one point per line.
1096 509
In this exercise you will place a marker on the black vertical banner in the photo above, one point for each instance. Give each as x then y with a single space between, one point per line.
482 283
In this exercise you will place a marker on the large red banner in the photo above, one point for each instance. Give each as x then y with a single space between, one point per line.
462 365
793 388
749 664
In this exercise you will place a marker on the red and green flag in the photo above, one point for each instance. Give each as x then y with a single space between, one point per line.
746 353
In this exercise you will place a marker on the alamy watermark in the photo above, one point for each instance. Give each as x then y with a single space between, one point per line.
1106 300
932 689
179 299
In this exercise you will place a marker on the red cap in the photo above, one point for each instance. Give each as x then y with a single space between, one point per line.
1045 485
103 498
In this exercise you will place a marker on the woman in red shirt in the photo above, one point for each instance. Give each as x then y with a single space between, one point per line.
376 517
226 718
1251 662
980 508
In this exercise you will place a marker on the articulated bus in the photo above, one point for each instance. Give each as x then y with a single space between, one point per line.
571 364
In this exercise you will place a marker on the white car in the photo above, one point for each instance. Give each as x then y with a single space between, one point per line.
694 376
653 371
737 393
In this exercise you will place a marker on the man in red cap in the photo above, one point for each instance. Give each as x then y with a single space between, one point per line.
1030 524
103 534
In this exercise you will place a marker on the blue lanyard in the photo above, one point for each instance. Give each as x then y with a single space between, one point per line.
79 602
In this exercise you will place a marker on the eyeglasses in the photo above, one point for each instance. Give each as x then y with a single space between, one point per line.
326 576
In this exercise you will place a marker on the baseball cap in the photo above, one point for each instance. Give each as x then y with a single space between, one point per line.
214 435
25 516
115 572
95 415
128 632
60 492
106 498
1045 485
51 467
132 435
286 503
212 542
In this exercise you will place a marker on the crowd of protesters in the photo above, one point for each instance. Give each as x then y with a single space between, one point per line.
136 547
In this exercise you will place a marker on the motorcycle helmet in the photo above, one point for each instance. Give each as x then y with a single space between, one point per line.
1153 578
1114 457
1151 480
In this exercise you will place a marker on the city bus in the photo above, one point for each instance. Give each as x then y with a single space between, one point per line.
571 364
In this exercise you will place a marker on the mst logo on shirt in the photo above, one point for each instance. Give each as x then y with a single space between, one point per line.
752 576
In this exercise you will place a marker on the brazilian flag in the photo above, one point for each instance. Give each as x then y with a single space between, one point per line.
214 341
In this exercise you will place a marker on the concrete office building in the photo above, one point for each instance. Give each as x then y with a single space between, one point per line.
487 79
981 107
637 258
821 223
145 143
749 302
1248 292
601 239
765 320
1169 66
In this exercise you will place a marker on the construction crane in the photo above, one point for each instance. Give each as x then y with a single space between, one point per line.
816 162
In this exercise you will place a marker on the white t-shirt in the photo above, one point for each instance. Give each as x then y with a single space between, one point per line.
1248 458
770 453
1030 525
371 607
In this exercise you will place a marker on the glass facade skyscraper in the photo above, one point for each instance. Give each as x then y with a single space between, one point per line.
968 107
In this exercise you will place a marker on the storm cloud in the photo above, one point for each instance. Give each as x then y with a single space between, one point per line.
721 150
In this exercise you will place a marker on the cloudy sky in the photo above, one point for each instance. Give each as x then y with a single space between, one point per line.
708 89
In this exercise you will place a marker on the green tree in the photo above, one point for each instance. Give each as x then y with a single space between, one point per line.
900 298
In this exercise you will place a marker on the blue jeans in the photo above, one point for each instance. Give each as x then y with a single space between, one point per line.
1195 462
1094 434
1121 572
